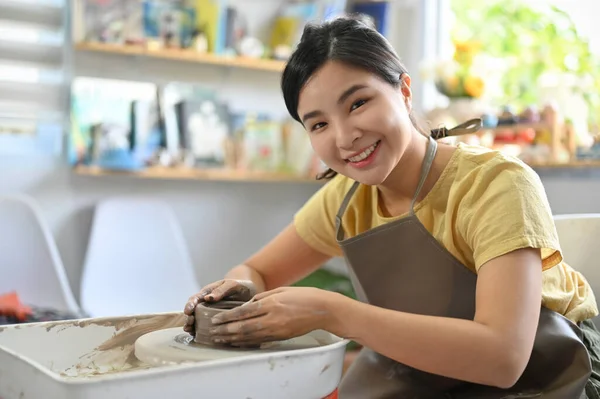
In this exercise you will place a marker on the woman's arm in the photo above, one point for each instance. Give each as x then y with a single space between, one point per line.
283 261
493 349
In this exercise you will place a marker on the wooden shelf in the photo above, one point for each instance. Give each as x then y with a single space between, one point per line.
518 126
568 165
185 55
257 176
198 174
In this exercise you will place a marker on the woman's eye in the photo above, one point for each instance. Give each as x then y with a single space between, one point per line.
317 126
357 104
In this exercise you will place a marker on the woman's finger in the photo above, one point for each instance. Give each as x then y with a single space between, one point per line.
193 301
246 311
266 294
191 304
190 320
226 288
246 328
240 341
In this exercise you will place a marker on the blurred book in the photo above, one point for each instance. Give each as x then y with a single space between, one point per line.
330 9
236 30
101 112
290 21
172 94
204 130
262 145
111 21
211 20
170 23
378 11
146 133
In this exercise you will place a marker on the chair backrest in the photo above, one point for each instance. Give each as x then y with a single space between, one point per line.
577 234
29 260
137 261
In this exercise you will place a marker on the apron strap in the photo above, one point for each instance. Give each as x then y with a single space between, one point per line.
427 162
468 127
339 230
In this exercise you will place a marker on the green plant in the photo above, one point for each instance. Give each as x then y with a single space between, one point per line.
330 281
533 40
458 78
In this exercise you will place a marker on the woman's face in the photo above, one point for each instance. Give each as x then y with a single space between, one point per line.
358 124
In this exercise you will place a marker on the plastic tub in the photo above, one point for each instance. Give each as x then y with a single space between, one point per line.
94 358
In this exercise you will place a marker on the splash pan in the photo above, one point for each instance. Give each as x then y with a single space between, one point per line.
96 358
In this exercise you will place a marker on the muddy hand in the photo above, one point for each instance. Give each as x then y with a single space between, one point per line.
277 315
239 290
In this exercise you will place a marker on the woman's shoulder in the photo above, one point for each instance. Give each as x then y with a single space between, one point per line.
480 166
501 205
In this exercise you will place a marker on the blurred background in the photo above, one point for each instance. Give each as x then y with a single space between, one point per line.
175 106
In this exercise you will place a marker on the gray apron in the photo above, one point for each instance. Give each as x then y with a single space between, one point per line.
401 266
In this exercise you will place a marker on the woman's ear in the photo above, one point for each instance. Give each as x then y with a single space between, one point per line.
406 92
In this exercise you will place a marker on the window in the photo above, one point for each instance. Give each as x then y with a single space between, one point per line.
33 83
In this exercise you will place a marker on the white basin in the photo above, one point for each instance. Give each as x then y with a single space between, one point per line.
94 359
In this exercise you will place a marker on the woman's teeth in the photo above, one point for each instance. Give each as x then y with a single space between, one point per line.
364 154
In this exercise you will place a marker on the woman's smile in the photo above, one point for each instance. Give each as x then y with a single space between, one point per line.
364 157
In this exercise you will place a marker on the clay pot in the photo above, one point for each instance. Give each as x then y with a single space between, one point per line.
205 311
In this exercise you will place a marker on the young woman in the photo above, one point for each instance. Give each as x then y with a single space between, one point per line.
451 249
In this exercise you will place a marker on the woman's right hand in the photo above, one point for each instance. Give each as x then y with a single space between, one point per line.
237 290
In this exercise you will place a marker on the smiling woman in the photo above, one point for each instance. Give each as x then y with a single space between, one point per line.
451 250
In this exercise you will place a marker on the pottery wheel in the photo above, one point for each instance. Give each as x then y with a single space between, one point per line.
173 346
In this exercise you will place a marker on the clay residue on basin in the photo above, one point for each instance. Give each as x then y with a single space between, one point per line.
117 323
129 335
117 353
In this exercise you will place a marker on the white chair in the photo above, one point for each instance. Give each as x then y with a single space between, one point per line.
30 263
137 261
578 235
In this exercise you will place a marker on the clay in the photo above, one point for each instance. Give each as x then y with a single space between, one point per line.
117 353
172 346
203 314
141 326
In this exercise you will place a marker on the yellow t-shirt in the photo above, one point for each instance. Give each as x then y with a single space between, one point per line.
485 204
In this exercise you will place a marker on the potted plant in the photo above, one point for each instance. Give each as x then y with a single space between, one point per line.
328 280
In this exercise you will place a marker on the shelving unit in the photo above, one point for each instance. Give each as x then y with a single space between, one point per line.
259 64
199 174
568 165
225 175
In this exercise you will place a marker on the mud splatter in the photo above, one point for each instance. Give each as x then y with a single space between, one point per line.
140 327
116 323
117 354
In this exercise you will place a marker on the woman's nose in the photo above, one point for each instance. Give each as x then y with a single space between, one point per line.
346 136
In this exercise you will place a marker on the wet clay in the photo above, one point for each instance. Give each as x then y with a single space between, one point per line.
172 346
204 312
117 353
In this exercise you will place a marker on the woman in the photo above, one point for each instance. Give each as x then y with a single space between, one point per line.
451 249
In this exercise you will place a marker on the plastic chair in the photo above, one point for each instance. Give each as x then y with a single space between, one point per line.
137 261
30 263
577 234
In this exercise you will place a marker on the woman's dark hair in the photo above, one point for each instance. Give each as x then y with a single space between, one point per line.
349 39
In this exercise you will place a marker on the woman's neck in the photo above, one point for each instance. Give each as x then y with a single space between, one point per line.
400 186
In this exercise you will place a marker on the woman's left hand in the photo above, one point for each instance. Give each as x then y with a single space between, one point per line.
276 315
